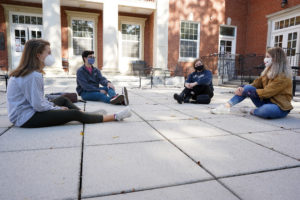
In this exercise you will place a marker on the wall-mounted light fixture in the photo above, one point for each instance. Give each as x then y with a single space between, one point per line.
283 3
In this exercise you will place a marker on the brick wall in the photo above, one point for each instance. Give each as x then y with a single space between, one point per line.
3 53
237 11
257 23
209 13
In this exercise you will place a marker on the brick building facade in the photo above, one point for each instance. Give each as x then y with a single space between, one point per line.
166 34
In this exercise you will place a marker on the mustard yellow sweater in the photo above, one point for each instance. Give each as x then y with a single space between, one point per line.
278 90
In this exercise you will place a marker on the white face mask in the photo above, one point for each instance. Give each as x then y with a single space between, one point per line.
49 60
268 62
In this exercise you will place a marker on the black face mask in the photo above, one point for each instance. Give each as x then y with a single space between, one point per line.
199 67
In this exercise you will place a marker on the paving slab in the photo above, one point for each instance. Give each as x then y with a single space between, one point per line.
110 109
110 133
286 141
275 185
147 107
4 121
231 155
205 191
42 174
239 125
291 121
16 139
162 115
186 128
115 168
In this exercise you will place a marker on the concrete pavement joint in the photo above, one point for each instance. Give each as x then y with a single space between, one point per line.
81 161
40 149
146 189
6 130
210 173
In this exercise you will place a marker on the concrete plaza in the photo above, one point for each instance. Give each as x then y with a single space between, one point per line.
164 151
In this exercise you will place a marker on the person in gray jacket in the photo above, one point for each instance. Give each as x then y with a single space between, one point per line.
27 106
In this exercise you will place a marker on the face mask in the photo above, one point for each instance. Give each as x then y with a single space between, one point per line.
199 67
268 62
91 61
49 60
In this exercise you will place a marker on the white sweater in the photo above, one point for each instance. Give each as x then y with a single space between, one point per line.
25 96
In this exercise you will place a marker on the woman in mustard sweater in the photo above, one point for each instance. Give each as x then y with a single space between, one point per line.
271 92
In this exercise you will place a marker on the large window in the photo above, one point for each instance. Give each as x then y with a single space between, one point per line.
189 40
83 36
291 44
131 40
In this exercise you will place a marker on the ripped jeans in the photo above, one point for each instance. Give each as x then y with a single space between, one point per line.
265 109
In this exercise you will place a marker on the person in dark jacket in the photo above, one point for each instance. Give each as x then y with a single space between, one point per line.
88 80
198 86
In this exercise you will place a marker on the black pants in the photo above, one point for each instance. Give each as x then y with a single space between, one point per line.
59 117
197 90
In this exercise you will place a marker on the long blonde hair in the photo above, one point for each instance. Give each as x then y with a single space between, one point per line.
29 61
279 65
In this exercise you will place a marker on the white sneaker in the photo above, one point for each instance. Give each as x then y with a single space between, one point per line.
221 109
125 113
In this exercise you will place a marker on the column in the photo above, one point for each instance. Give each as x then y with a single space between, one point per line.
110 36
52 33
160 46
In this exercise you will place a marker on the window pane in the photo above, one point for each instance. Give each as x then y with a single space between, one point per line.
286 23
39 34
292 22
281 24
15 18
40 21
295 35
22 33
21 19
228 31
290 36
27 20
17 33
280 38
33 20
33 34
276 25
297 20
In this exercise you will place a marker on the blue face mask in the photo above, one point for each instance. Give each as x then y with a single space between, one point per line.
91 61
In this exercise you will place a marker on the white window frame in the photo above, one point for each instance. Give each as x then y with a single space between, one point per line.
278 16
71 33
140 42
230 38
189 59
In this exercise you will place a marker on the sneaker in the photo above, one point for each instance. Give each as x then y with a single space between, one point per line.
125 113
125 93
118 99
178 98
221 109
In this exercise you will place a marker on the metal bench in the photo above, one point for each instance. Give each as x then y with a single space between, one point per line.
142 69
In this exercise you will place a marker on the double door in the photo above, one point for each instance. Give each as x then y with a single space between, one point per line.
290 42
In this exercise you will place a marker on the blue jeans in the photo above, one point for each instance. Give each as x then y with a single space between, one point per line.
98 96
265 109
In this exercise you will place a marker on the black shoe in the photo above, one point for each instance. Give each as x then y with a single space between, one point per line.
178 98
125 93
118 99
